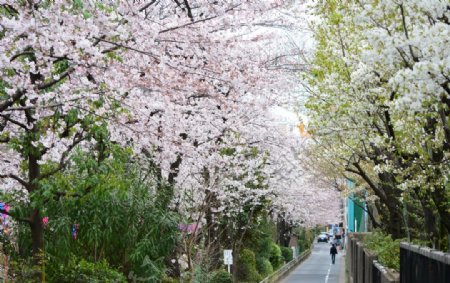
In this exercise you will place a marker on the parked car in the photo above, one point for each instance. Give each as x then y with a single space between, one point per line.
323 237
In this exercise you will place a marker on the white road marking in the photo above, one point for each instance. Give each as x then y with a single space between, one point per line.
328 274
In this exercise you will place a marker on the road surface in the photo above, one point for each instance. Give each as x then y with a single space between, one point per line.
318 268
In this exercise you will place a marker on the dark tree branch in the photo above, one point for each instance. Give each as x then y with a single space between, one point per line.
7 118
389 126
147 5
405 30
10 8
189 11
369 181
28 114
62 162
446 87
174 168
18 179
197 21
127 47
55 81
15 217
404 57
15 97
21 54
29 107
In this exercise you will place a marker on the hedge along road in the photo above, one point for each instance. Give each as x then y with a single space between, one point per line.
318 267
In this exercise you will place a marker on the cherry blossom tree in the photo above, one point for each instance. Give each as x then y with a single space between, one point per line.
380 103
179 81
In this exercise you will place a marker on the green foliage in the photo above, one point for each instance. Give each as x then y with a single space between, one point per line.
247 267
264 266
120 216
305 238
84 271
387 250
264 247
287 254
200 275
169 280
276 259
221 276
21 270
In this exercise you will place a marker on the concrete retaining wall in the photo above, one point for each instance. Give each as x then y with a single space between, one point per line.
285 269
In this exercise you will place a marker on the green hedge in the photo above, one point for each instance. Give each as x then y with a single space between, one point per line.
264 266
276 259
84 271
287 254
221 276
246 267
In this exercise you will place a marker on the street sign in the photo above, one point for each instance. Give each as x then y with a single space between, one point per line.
228 258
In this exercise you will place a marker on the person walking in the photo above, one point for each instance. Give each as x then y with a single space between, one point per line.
333 253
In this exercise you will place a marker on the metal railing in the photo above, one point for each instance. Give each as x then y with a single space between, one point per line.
284 270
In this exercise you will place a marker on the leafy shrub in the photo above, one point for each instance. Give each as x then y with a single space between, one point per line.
276 259
264 266
200 274
221 276
305 238
387 250
287 254
247 267
21 270
120 216
167 279
84 271
264 247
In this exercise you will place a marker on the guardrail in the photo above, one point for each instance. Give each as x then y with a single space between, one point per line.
280 273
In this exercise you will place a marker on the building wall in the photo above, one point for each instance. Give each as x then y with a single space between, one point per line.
355 212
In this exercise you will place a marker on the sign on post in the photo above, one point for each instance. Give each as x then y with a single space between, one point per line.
228 258
294 252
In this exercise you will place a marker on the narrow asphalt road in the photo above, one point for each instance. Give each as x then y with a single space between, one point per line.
318 268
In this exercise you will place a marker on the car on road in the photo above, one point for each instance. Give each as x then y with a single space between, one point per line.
323 237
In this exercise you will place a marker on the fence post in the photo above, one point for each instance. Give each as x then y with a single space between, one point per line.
369 259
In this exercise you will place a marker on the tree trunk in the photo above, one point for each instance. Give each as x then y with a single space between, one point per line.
283 231
212 237
36 226
234 270
396 222
430 219
164 198
443 207
37 238
37 234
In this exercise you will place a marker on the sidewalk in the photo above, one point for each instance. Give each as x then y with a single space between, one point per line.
342 269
